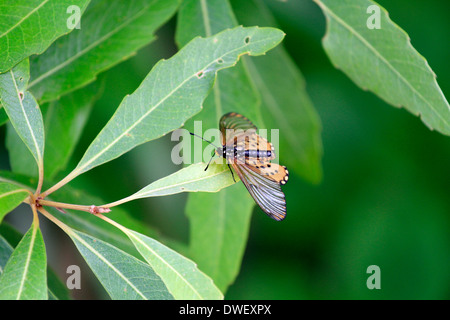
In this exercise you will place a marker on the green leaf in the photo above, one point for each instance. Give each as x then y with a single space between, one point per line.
64 121
282 89
11 195
123 276
22 109
111 31
180 275
233 91
173 92
20 159
383 61
25 274
177 87
190 179
56 289
30 26
219 226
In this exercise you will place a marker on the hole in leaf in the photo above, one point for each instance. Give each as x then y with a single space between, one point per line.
200 74
21 96
247 40
219 61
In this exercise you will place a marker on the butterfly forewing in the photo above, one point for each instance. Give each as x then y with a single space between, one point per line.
233 124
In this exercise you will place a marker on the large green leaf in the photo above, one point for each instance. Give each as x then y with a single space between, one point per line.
172 93
383 60
286 105
11 195
56 289
111 31
219 225
123 276
234 91
193 178
29 26
180 275
22 109
25 274
64 121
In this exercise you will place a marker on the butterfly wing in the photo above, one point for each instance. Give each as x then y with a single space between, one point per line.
266 192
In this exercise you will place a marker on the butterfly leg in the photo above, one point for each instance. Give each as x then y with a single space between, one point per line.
232 174
209 162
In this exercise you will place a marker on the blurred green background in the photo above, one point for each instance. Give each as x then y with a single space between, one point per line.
384 198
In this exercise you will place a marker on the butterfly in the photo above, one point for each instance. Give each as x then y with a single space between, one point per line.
249 155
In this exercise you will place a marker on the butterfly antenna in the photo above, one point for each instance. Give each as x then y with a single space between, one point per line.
193 134
209 162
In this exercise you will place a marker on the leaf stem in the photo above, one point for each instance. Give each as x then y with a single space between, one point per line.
41 179
61 183
91 209
112 222
35 216
59 223
116 203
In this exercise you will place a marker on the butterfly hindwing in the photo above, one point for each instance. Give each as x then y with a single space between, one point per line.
272 171
266 192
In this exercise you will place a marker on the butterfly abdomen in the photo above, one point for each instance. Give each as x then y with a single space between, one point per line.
258 154
237 153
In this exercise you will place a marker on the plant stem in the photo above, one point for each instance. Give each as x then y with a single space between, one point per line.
60 224
112 222
61 183
116 203
91 209
41 179
35 216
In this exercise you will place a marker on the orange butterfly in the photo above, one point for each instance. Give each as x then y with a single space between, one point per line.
249 154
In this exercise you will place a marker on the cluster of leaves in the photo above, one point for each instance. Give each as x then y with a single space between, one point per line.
48 86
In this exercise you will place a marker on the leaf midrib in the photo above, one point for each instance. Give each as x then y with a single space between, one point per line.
24 18
383 59
38 151
27 264
12 192
102 258
166 264
146 194
86 164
